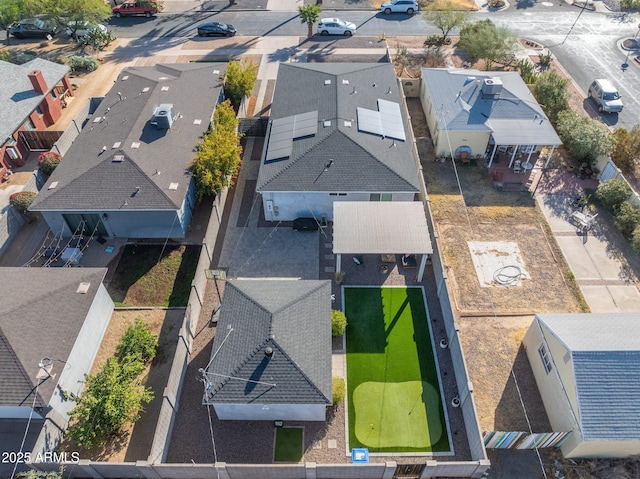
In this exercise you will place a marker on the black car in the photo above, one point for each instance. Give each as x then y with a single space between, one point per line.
305 224
216 28
32 29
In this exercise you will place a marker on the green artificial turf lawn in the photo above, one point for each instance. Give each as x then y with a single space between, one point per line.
288 444
393 390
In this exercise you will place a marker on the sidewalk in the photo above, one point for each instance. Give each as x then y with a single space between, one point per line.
593 261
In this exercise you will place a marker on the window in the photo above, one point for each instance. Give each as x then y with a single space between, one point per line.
546 359
28 125
39 110
380 197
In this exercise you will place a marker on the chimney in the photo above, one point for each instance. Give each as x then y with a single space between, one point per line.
37 80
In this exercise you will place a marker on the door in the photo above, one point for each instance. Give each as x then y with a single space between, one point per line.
85 224
609 171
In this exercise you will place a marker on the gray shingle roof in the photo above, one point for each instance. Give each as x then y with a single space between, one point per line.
605 351
18 99
89 178
363 162
514 116
41 315
294 319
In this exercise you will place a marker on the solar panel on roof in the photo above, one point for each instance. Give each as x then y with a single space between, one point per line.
285 130
386 122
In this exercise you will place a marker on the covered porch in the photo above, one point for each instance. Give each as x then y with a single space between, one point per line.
397 231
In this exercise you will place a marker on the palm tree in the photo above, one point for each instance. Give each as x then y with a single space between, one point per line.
309 14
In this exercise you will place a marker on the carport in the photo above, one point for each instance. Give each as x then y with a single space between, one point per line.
387 227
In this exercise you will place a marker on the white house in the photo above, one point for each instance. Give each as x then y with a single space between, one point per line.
271 356
337 132
126 174
481 113
587 367
52 321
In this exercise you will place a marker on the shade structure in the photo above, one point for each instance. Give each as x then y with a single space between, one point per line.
362 227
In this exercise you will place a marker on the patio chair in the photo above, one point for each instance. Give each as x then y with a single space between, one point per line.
517 167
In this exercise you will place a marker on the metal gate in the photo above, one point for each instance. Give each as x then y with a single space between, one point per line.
408 471
609 171
255 126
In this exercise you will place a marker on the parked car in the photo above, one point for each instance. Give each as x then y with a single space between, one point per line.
33 29
216 28
606 96
305 224
135 7
335 26
82 27
399 6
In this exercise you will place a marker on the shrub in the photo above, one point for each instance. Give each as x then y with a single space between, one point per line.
527 72
22 200
338 390
48 161
612 193
630 4
635 239
82 64
24 57
436 41
239 80
584 137
338 322
545 59
627 218
5 56
137 343
496 3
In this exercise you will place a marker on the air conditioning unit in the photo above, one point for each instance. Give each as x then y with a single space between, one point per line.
492 86
12 152
163 116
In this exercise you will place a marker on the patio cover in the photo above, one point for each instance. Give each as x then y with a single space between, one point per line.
380 227
524 132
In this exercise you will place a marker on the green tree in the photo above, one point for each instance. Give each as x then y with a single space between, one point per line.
484 40
309 14
585 138
239 80
551 92
9 14
219 153
71 13
137 343
528 72
338 322
612 193
626 218
625 148
113 398
443 14
97 40
33 474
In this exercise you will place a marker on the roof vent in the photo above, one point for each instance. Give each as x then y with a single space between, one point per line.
345 82
163 116
135 145
326 123
491 86
164 88
126 77
327 82
116 145
268 352
347 123
216 72
173 186
53 185
83 288
118 158
197 121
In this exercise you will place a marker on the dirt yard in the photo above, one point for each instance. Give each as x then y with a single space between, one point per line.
134 442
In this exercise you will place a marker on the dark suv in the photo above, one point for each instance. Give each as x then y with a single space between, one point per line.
33 29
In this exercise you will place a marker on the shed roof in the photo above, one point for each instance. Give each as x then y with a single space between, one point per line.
513 116
120 150
293 318
605 353
371 227
362 161
18 99
41 314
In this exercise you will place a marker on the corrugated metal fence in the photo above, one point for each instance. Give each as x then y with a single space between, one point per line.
524 440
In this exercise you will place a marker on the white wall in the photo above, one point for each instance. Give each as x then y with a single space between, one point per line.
287 206
551 390
271 412
79 363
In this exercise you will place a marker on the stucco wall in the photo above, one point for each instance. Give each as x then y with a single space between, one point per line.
271 412
602 449
292 205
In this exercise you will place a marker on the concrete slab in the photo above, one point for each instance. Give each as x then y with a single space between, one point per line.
497 263
612 299
577 258
556 210
626 298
